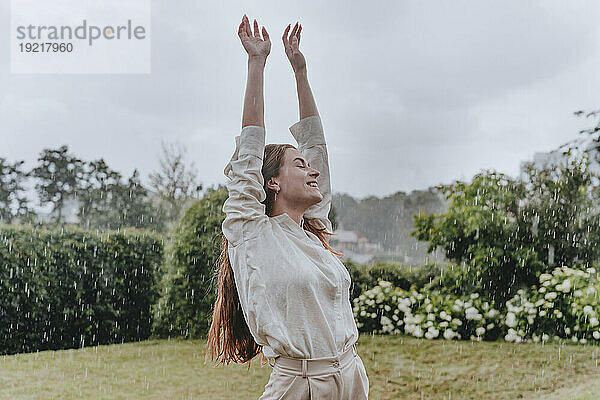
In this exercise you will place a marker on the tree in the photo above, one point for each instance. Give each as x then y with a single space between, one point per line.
98 188
109 203
506 232
13 205
175 182
135 208
189 289
60 174
594 133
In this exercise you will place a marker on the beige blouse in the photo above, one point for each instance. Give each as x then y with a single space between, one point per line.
294 293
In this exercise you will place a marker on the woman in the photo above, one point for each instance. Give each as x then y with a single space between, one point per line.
282 292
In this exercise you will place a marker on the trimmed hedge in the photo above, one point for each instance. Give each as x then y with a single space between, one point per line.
68 288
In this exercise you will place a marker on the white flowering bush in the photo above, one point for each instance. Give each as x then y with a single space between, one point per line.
453 317
385 309
564 305
381 309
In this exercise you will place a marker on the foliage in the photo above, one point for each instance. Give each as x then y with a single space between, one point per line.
13 205
365 277
565 305
109 203
67 288
189 293
501 229
175 182
387 309
60 174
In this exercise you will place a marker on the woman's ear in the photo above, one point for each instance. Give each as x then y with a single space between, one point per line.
273 185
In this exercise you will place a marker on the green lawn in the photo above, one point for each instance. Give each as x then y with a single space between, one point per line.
399 367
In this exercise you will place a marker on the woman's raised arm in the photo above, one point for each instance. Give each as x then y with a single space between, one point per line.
244 211
306 101
308 132
258 49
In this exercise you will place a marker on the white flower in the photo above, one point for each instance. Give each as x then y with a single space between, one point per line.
545 337
456 321
418 332
590 290
445 316
542 313
550 296
591 270
539 302
567 330
444 324
578 293
432 333
542 290
596 335
449 334
471 310
593 321
491 326
588 310
511 320
387 307
582 341
480 331
474 295
545 277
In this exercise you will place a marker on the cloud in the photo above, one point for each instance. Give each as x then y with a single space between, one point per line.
411 93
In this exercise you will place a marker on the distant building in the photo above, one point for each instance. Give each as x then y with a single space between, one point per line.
355 247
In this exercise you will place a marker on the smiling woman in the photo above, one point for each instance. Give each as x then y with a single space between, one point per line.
276 264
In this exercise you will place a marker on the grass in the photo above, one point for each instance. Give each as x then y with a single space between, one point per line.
399 367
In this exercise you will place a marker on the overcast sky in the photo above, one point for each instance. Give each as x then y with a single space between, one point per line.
411 94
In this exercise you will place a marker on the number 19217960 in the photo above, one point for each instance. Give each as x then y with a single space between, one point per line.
46 47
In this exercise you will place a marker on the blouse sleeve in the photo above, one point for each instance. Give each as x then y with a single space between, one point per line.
244 212
308 132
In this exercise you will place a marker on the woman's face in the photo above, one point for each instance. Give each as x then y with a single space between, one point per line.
294 177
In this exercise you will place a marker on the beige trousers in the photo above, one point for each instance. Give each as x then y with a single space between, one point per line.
334 378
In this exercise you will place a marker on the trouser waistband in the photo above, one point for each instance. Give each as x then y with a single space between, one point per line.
314 366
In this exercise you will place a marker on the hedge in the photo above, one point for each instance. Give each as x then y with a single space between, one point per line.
67 288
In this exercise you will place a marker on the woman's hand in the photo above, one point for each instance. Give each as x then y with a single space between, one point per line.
254 45
292 51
